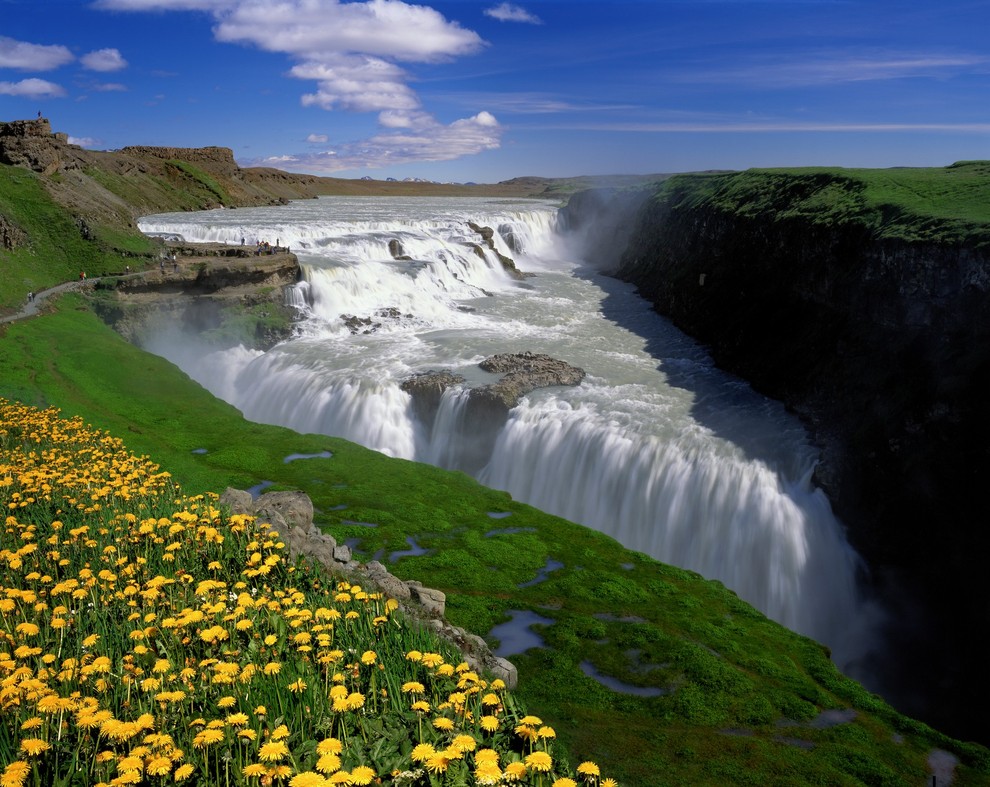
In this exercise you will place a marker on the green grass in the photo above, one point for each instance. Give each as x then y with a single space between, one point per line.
934 205
729 667
55 250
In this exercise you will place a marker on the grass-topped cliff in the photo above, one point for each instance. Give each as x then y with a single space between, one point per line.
737 698
861 299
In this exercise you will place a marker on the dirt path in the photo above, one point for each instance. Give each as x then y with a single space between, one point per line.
33 307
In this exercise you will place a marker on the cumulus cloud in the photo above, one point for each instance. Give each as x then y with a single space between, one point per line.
32 57
317 139
509 12
32 88
313 29
356 83
104 60
419 138
351 51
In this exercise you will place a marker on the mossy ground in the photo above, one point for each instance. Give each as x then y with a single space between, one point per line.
731 677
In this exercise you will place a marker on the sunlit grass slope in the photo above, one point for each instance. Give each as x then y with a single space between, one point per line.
145 636
728 677
930 204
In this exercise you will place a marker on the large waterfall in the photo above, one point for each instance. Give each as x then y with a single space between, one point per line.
655 447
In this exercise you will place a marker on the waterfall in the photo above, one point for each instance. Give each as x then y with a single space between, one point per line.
656 447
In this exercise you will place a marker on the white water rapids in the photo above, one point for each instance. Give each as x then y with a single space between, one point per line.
656 447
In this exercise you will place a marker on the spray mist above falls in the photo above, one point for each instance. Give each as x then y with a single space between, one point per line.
655 446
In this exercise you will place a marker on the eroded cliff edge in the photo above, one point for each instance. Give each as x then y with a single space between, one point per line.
872 322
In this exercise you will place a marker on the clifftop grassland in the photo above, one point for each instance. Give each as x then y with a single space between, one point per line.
726 695
949 205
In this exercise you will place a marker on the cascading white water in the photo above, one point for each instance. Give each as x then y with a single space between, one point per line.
656 447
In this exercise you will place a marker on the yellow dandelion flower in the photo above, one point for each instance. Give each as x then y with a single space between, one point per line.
307 779
160 766
328 763
442 723
207 737
539 761
413 687
487 773
226 702
15 774
546 732
422 752
247 735
464 743
514 772
273 751
362 774
237 719
531 721
438 763
564 782
34 747
609 783
588 769
340 777
272 668
281 732
298 686
369 657
255 769
489 723
32 723
329 746
421 706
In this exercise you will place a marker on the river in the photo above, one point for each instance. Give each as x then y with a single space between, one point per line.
656 447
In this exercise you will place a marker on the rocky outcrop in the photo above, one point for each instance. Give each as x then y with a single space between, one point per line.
226 295
11 236
32 145
883 347
291 514
488 406
488 237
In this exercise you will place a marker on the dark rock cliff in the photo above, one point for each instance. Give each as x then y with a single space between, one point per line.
883 347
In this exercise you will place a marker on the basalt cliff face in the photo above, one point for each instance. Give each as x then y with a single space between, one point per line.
882 345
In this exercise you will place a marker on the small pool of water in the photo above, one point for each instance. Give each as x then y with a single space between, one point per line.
541 575
294 457
619 686
257 489
515 636
414 550
505 531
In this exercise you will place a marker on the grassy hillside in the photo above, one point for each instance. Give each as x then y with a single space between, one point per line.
937 204
729 678
738 699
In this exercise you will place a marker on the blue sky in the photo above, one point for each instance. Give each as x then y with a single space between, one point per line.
486 91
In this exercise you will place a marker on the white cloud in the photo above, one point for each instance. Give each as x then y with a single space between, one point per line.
357 83
832 68
313 29
84 142
32 57
32 88
509 12
422 138
317 139
351 50
104 60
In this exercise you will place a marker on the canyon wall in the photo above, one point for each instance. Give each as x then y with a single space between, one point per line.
880 341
